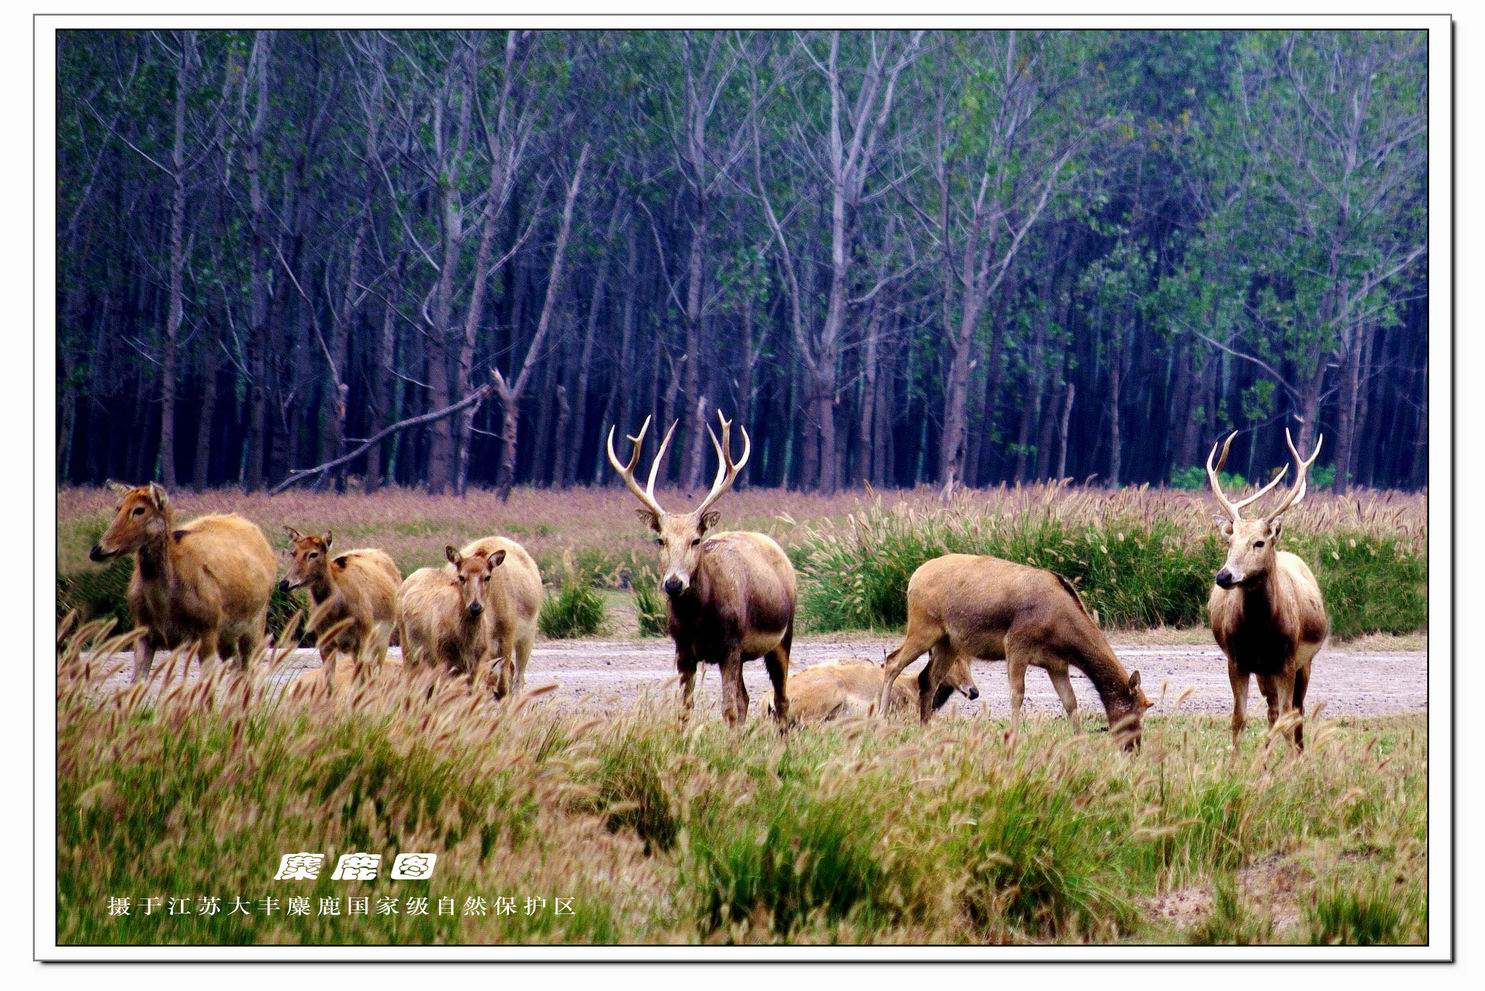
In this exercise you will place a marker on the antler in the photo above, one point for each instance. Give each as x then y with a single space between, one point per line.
645 495
1234 509
727 469
1301 483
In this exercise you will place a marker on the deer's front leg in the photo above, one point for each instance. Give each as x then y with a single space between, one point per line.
734 692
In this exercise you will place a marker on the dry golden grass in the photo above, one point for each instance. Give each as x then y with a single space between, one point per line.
858 832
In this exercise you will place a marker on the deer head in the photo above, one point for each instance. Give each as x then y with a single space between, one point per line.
142 515
308 559
472 577
679 535
1253 543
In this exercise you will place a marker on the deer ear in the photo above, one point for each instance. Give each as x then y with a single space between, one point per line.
497 558
1134 680
452 553
158 496
649 519
329 537
709 519
119 488
1275 525
293 534
1223 523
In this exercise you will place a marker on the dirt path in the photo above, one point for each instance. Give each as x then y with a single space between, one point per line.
598 674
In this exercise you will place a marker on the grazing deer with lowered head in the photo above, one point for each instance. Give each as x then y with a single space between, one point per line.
1266 610
965 605
730 595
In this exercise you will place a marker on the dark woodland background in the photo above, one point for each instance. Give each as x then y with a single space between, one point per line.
903 258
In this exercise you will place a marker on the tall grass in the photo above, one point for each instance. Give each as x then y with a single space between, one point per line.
668 832
1141 556
1136 562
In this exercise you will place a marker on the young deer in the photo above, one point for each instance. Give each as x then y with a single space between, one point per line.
354 595
730 595
1266 610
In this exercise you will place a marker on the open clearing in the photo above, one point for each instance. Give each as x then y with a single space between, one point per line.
1348 680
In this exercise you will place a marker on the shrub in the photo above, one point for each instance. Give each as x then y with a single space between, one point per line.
651 609
1193 478
575 611
1365 916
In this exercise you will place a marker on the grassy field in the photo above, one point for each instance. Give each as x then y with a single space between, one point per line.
1142 558
660 832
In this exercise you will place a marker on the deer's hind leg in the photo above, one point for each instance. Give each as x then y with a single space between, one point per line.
919 639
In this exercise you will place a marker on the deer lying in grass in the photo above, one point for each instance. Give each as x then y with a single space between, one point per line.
354 598
852 688
730 595
513 604
1266 610
963 605
203 585
442 621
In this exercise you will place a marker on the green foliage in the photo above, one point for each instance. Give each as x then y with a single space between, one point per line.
1133 570
669 832
575 611
1370 915
1193 478
653 613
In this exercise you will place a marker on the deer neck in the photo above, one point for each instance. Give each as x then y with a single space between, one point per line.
322 587
154 557
1099 662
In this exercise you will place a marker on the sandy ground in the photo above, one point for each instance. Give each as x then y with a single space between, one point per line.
598 674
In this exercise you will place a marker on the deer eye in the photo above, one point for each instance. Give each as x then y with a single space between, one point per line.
696 542
1257 544
313 554
138 511
659 542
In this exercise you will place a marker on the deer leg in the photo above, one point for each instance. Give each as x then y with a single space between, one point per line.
522 655
734 692
777 662
207 651
1301 683
144 657
911 648
1239 681
687 669
1063 684
1269 686
1016 670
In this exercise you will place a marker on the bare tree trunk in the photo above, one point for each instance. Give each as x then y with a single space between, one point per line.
177 262
510 392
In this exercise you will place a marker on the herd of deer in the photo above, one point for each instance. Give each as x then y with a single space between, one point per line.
731 598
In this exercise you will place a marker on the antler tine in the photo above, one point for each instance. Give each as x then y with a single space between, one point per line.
1302 480
659 457
1263 491
626 471
727 469
1212 473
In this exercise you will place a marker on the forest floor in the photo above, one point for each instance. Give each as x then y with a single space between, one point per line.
1372 677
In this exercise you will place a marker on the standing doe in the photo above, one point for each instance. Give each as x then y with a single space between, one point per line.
204 585
1266 611
513 603
730 595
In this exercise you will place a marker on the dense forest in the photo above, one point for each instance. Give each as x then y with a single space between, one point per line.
453 259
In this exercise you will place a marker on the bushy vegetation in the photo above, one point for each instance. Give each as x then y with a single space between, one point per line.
1137 562
661 831
1141 557
576 610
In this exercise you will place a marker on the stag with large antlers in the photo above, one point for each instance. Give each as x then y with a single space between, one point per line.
1266 610
730 594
